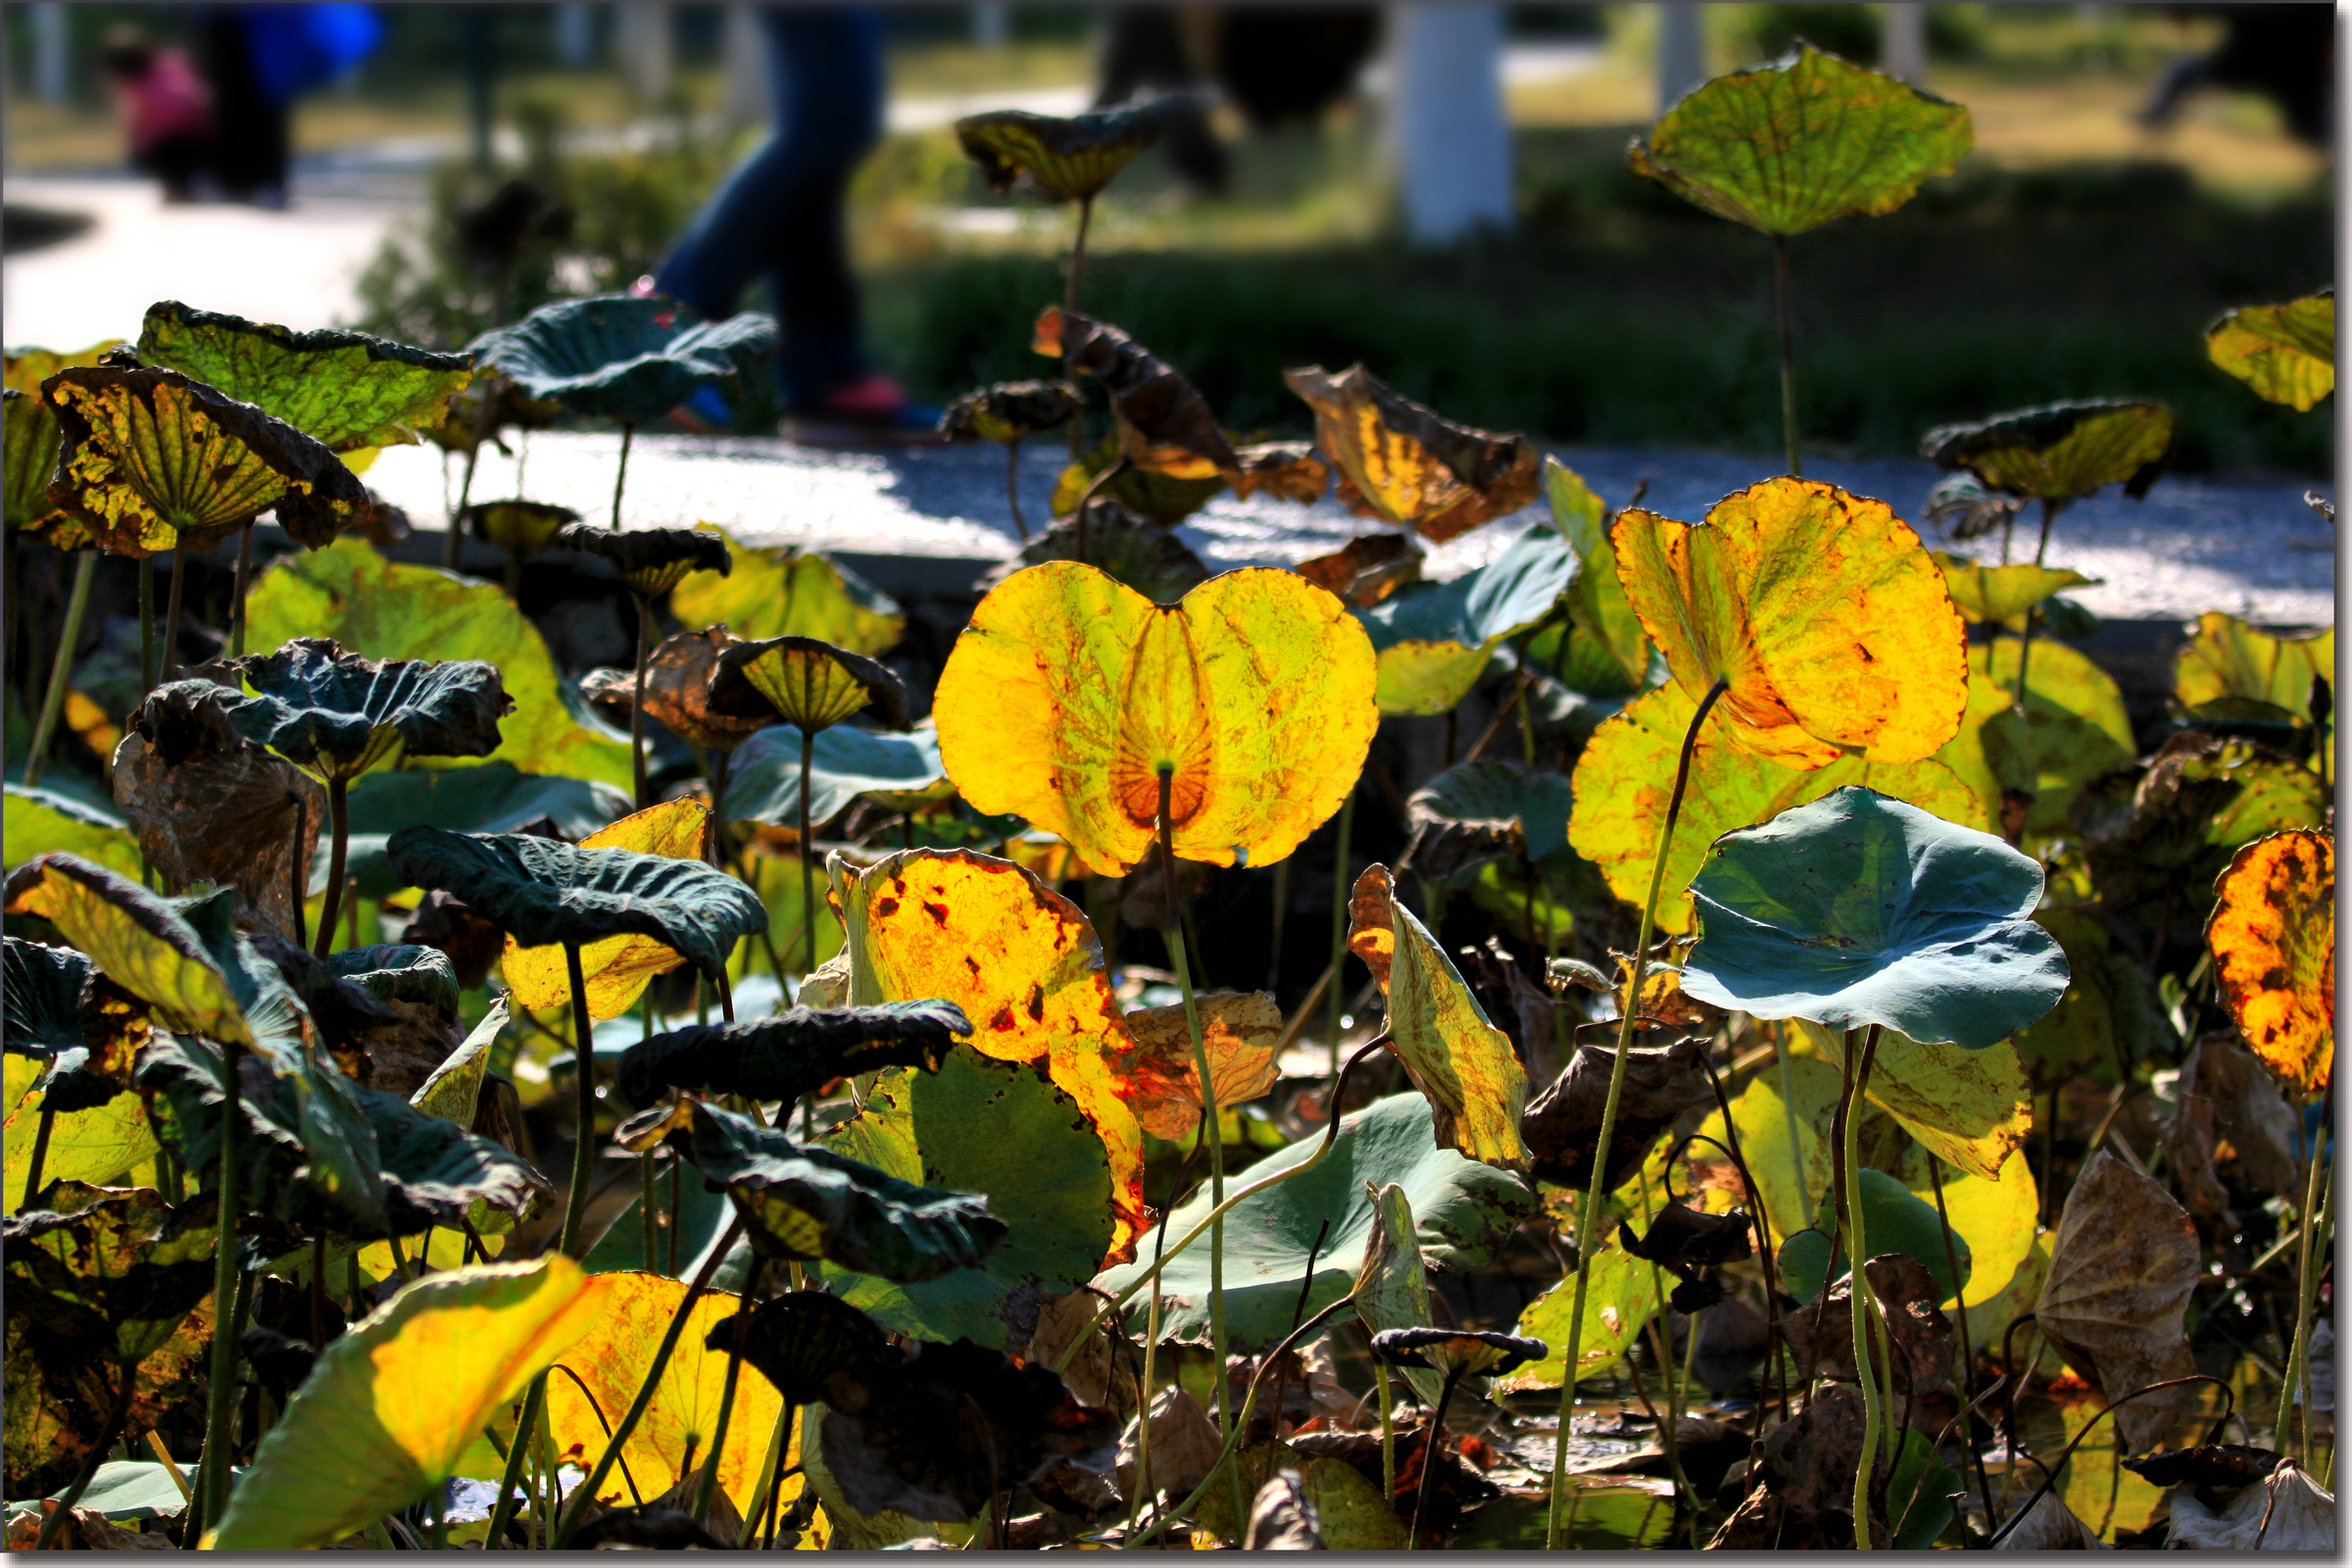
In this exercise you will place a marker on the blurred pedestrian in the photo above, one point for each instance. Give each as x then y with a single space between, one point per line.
260 59
165 109
780 215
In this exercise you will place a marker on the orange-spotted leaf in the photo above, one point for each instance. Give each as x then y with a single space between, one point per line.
1831 624
1239 1030
1068 694
615 968
1405 464
1455 1056
2273 936
1023 963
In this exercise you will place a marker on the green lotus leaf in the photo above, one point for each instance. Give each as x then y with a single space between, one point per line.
453 1090
122 1490
2286 353
902 771
1391 1291
1433 639
793 1053
1003 1129
41 1015
490 404
142 942
389 610
337 714
1920 1487
2059 452
488 798
1621 1297
811 1202
1601 650
805 684
2074 729
1895 1219
1069 158
1790 146
1480 812
651 561
147 457
343 389
616 357
518 527
1464 1210
109 1274
1008 411
29 443
2006 595
2229 660
100 1145
542 891
1349 1512
1164 425
418 976
789 593
37 822
1859 910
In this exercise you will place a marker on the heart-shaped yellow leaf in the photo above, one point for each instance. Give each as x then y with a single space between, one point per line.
616 969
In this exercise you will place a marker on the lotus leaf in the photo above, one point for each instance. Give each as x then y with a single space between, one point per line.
2230 659
521 529
2110 1013
97 1145
148 457
2122 1268
1562 1127
1464 1209
1624 780
1859 910
2007 595
2074 729
677 690
1164 425
792 1054
1349 1509
1602 651
1366 569
490 404
138 940
452 1091
2273 936
28 455
387 610
805 684
2156 849
2286 353
336 714
109 1273
651 561
902 771
1067 694
1406 465
1995 1219
1784 1139
1009 411
2061 451
1454 1056
25 368
1788 147
701 1215
391 1406
1239 1030
1971 1107
1621 1294
42 1013
1916 1353
1964 508
40 821
621 357
1024 965
615 967
672 1437
1070 159
1746 597
1391 1289
1456 1352
1895 1219
1138 500
789 592
487 797
345 390
1433 639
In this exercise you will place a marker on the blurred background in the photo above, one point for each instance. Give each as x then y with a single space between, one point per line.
1437 189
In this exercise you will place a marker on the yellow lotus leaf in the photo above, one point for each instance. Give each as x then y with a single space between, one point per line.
615 968
392 1406
2074 729
682 1419
136 941
1995 1217
1780 1121
2230 658
1045 855
1023 963
2273 936
2286 353
1238 1031
94 1146
1820 608
2005 594
1970 1108
1068 694
1405 464
1626 777
788 593
1453 1052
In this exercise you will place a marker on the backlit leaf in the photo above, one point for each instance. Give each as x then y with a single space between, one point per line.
1996 1218
138 940
393 1404
2075 727
1621 1294
617 967
25 368
1238 1031
1068 693
1409 466
28 456
789 592
2273 936
1625 779
1070 158
1602 651
37 822
2003 594
2286 353
619 357
1894 1220
1453 1053
1433 639
1829 623
343 389
1971 1107
1009 411
96 1145
2121 1266
486 797
1790 146
2230 658
1392 1290
651 561
809 685
2061 451
518 527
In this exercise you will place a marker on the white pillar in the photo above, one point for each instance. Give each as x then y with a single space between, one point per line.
1450 141
743 99
1903 40
576 33
49 83
1682 52
992 24
643 43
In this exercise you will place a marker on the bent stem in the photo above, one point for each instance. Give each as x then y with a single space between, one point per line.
60 673
726 1410
1787 323
584 1028
1339 922
1596 1183
1862 1307
338 821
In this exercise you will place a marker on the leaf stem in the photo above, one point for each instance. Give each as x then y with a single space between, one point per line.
2299 1378
1340 883
170 649
1862 1307
726 1411
213 1481
807 858
451 541
40 1153
146 624
1012 485
1432 1444
60 673
620 477
510 1479
338 820
583 1143
1787 323
645 653
236 592
1597 1184
2025 646
1967 1354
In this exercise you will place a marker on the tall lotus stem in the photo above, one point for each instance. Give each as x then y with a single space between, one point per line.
338 821
1340 884
171 639
1085 501
60 673
1069 302
1589 1222
40 1152
808 859
645 653
584 1028
236 600
510 1480
1862 1306
1388 1430
628 433
1787 322
726 1408
1967 1353
455 537
2298 1378
146 624
2025 646
212 1482
1012 485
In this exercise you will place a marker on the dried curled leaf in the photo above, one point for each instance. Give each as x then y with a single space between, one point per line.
677 690
1164 425
651 561
2224 1094
2273 936
1366 569
1406 465
1822 1332
1563 1124
2122 1267
793 1053
1008 411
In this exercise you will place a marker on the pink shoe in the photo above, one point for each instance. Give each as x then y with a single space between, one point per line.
872 399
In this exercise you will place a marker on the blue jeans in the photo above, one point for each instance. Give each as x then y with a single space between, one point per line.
780 211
